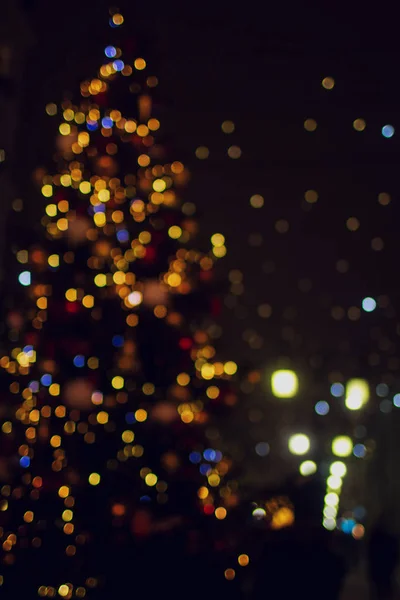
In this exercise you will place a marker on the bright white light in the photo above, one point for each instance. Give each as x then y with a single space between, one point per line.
334 482
331 499
330 511
368 304
308 467
135 298
259 513
299 444
357 393
25 278
338 468
329 523
284 383
342 446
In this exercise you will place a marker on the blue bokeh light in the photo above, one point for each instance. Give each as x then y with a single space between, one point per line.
25 278
368 304
195 457
348 525
396 400
130 418
123 235
322 408
337 390
79 360
388 131
46 379
92 125
34 386
205 469
110 51
209 454
118 65
359 450
118 341
262 448
107 122
25 461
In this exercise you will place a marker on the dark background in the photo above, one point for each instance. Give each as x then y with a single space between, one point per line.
260 66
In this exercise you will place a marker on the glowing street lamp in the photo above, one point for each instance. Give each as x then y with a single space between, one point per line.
284 383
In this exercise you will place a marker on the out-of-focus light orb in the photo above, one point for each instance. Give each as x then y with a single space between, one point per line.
25 278
359 124
382 390
331 499
329 523
334 482
110 51
388 131
308 467
368 304
284 383
396 400
299 444
358 531
321 408
259 513
262 448
359 450
357 394
257 201
328 83
385 406
347 525
330 511
228 127
337 390
342 446
338 468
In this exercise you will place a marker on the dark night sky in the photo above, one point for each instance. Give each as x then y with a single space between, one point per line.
262 67
263 70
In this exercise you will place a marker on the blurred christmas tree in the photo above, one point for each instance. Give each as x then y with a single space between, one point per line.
111 373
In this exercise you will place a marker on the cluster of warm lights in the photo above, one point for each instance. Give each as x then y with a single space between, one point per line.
120 230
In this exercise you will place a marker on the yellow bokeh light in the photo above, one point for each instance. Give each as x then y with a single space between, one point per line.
151 479
141 415
207 371
299 444
357 394
342 446
47 191
117 382
230 367
94 479
217 239
310 125
140 64
257 201
63 590
175 232
127 436
100 280
328 83
63 492
338 468
308 467
284 383
228 127
243 560
220 513
102 417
